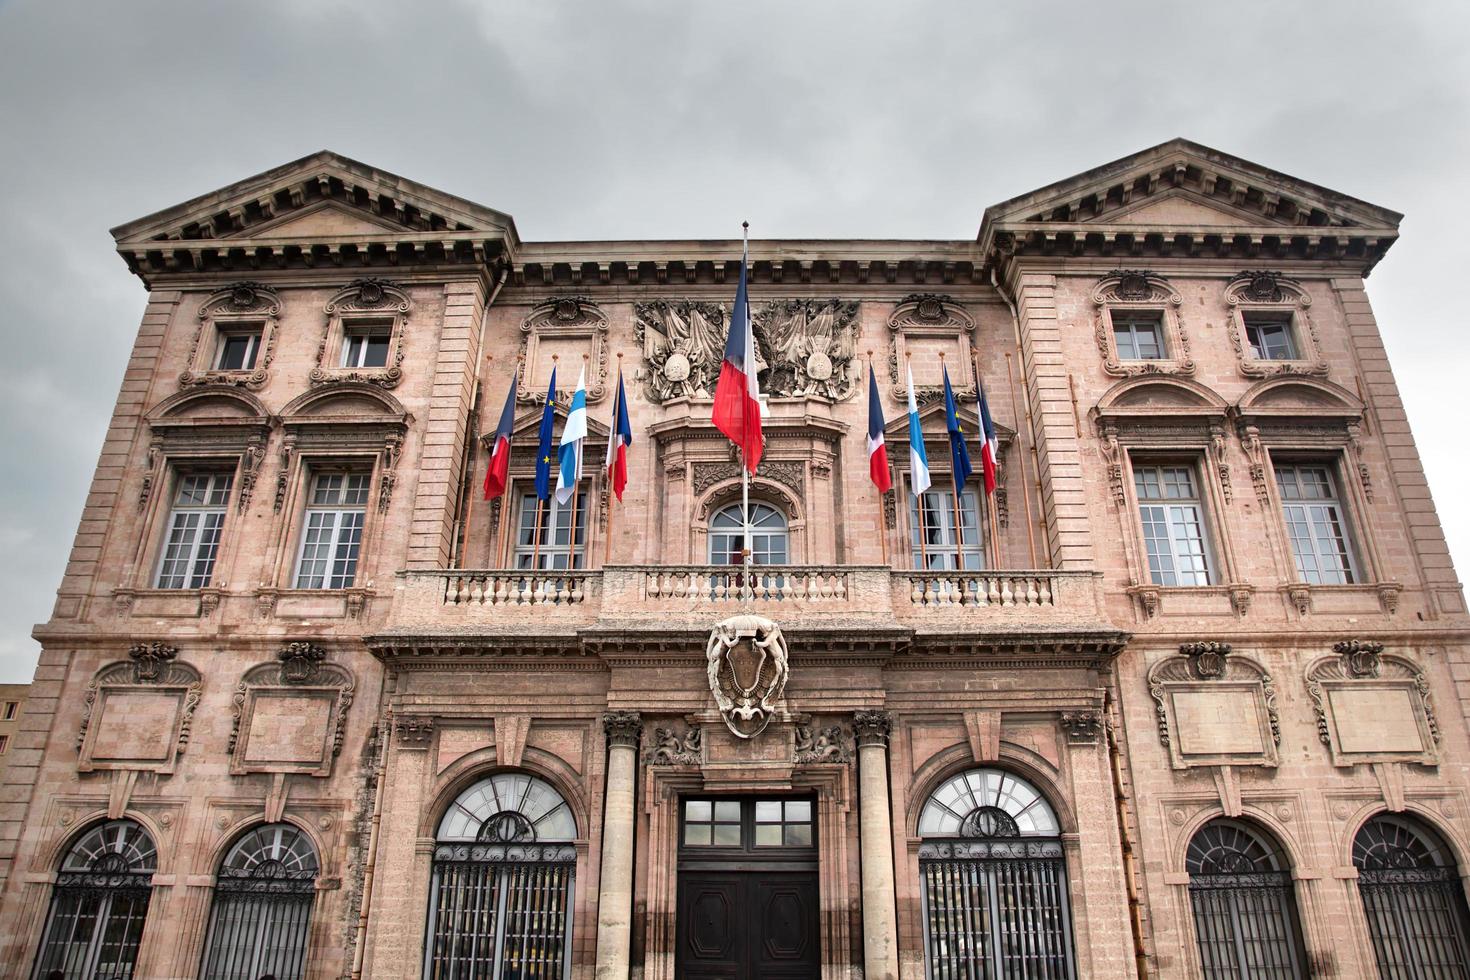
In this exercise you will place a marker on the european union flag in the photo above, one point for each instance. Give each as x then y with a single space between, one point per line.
544 453
959 455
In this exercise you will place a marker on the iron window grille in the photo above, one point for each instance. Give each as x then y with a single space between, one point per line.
1414 900
261 918
99 904
500 902
1245 919
994 881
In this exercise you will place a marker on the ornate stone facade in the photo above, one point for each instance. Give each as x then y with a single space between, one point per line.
368 705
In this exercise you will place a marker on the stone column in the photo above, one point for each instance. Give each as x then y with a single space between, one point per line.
615 902
880 911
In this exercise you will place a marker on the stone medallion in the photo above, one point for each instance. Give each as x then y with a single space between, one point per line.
747 666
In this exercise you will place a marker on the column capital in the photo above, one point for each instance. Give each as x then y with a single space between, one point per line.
871 727
622 727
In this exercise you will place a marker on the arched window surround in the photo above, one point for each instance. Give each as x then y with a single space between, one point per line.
1014 759
768 492
270 907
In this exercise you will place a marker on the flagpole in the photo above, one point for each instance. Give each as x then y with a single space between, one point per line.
504 530
918 497
1021 458
954 477
748 587
541 501
882 524
469 509
576 490
617 413
991 549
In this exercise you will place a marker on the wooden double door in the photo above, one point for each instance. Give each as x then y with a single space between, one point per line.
748 896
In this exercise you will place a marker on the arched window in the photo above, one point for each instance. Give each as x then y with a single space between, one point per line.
995 880
500 903
262 906
1413 898
99 904
1244 913
770 541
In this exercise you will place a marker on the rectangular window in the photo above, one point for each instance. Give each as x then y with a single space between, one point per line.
331 534
783 823
1139 334
194 527
1316 524
1270 337
238 348
934 525
1173 524
553 550
4 744
11 707
712 823
365 345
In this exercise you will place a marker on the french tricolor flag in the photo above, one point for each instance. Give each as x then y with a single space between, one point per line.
877 451
989 444
737 411
498 471
619 438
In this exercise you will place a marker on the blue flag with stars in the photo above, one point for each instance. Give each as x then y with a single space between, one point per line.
958 453
544 454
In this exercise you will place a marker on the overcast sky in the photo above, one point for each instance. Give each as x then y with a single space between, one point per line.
673 120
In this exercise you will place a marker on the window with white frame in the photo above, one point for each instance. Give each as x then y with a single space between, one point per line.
238 348
1139 335
544 535
1316 523
365 343
770 542
194 526
331 534
1172 516
933 539
11 708
1270 337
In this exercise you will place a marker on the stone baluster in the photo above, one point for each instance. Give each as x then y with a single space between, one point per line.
615 904
880 909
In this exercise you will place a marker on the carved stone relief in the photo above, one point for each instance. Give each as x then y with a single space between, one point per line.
362 298
672 747
927 315
1140 289
290 715
747 667
1275 293
574 319
819 745
242 304
137 713
1373 707
1214 708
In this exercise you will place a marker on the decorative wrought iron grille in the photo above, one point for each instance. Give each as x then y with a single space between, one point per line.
99 904
1244 913
1414 901
261 919
500 903
995 896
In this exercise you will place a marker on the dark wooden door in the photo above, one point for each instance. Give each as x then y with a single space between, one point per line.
748 925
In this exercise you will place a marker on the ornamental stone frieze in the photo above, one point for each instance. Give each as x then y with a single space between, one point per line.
830 744
804 348
747 666
362 301
672 747
934 321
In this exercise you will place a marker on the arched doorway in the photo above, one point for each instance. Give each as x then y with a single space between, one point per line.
1245 919
994 881
1413 898
260 922
500 902
99 904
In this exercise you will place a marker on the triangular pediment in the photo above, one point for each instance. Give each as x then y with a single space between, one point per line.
933 424
1182 184
322 196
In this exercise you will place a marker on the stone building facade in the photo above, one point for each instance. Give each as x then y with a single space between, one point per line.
309 706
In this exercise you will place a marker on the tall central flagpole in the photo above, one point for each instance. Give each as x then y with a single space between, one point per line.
882 524
919 498
748 592
959 528
617 410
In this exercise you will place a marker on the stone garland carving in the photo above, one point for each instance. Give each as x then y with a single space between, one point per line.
570 317
240 302
297 664
804 348
1082 727
1208 661
283 478
1365 660
788 473
1264 288
154 664
871 727
815 746
392 451
1002 507
932 314
364 297
1140 288
674 748
747 666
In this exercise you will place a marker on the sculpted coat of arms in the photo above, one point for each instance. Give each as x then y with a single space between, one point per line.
803 347
747 665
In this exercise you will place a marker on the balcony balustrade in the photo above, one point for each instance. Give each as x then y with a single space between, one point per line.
658 595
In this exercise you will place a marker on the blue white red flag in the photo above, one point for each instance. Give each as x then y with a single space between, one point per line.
959 453
498 472
989 445
573 434
877 451
619 438
918 458
737 410
543 447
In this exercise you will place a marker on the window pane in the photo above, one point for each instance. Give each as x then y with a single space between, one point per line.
768 811
799 835
727 835
697 834
768 835
237 351
698 810
727 810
